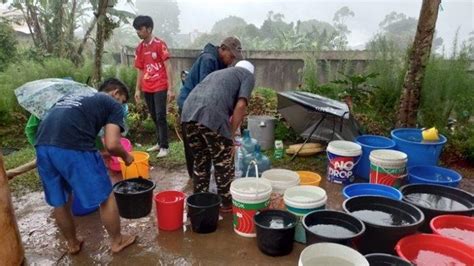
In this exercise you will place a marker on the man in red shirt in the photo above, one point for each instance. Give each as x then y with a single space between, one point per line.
154 79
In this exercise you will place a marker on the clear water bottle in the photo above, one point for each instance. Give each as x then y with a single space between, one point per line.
238 159
248 143
263 162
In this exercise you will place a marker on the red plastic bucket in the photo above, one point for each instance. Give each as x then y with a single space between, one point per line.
433 250
454 226
169 209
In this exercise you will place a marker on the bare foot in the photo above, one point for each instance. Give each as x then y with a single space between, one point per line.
125 241
75 247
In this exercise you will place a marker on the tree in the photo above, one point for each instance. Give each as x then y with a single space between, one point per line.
340 25
228 25
400 29
274 25
418 59
7 44
165 17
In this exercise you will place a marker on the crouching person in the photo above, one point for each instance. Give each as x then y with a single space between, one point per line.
206 116
68 161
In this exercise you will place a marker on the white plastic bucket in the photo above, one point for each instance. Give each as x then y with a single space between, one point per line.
388 167
343 156
249 195
331 254
281 179
301 200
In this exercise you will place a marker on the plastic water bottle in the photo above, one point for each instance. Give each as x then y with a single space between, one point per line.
247 142
263 162
238 159
212 181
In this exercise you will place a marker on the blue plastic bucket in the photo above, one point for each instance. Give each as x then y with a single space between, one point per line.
361 189
410 141
79 210
428 174
368 144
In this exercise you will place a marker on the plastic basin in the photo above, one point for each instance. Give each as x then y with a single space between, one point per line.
435 200
361 189
386 221
429 250
454 226
332 226
410 141
430 174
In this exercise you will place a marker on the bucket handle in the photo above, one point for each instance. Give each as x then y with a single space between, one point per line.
256 173
127 167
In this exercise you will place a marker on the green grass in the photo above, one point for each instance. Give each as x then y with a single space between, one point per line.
174 159
27 182
315 163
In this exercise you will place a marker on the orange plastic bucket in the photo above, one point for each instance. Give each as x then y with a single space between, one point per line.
139 167
309 178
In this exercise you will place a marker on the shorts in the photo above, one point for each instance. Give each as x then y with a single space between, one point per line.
63 171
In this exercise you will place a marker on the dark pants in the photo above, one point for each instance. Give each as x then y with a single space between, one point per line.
156 103
209 148
187 151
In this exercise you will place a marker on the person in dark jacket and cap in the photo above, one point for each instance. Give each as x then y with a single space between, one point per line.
212 58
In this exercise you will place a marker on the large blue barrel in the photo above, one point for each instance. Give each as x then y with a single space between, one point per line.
410 141
370 143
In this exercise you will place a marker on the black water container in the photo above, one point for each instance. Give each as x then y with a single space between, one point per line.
333 226
134 197
275 231
386 221
203 211
381 259
435 200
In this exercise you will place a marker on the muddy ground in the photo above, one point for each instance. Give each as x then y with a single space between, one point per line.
45 246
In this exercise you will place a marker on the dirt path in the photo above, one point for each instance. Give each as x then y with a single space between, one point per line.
44 245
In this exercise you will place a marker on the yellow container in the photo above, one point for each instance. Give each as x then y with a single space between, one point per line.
309 178
430 134
139 168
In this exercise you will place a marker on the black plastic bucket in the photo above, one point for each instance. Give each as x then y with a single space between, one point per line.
134 197
386 221
435 200
381 259
333 226
275 231
203 211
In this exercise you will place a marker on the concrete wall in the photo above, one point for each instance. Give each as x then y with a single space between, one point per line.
280 70
274 69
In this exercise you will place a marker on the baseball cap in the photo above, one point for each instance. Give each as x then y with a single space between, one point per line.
234 46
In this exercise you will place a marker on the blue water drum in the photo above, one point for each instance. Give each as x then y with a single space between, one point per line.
368 144
410 141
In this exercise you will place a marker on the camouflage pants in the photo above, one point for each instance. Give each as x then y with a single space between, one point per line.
208 147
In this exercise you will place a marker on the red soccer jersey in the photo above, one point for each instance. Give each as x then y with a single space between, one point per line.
150 58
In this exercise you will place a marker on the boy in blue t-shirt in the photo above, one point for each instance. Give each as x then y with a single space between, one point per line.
68 160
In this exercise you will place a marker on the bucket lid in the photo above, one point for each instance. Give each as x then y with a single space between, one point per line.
305 194
344 148
250 186
388 155
281 178
260 117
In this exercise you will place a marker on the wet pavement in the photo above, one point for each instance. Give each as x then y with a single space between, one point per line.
45 246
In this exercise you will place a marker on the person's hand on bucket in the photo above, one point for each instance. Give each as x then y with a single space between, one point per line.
128 159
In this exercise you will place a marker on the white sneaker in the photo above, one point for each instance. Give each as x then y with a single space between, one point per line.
163 153
154 148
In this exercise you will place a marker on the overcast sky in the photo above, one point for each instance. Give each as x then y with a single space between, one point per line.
202 14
